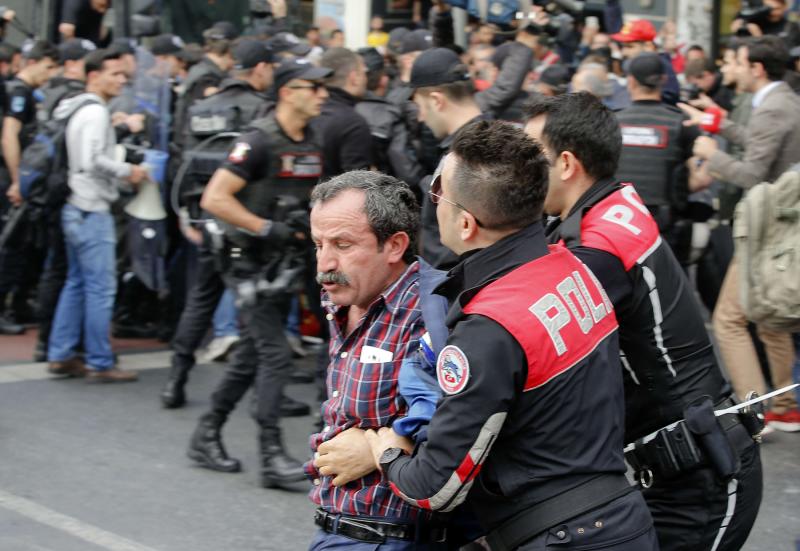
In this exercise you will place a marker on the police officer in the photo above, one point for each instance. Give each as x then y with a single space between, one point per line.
699 500
280 157
655 148
19 129
529 424
205 76
240 101
391 150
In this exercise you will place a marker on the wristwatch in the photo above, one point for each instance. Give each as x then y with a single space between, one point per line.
390 455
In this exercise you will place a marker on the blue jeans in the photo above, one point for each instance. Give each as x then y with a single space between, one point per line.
324 541
225 316
87 299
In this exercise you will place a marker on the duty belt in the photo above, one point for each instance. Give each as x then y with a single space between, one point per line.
677 449
376 531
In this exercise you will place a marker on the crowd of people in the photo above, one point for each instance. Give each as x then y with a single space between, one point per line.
495 252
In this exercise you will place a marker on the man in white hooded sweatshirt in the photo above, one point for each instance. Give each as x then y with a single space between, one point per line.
87 299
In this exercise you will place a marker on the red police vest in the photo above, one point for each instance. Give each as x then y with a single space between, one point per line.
622 226
554 307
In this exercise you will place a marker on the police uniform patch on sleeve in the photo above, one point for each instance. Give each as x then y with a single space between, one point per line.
239 153
18 104
452 369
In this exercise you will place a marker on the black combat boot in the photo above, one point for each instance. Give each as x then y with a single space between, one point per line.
277 468
173 395
206 447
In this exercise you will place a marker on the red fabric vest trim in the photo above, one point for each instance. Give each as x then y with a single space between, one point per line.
621 225
554 307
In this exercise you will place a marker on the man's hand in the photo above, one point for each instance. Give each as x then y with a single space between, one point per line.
278 8
699 178
138 173
135 122
703 102
14 194
346 457
705 147
9 15
384 439
695 115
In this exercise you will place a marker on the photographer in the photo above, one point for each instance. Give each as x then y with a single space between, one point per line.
762 17
704 79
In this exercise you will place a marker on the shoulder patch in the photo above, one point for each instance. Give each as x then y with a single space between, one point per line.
18 104
452 369
240 152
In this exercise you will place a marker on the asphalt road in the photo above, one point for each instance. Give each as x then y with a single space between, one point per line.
93 468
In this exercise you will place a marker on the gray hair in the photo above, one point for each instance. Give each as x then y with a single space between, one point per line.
389 204
595 79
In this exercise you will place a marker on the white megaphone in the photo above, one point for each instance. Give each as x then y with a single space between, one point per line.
147 204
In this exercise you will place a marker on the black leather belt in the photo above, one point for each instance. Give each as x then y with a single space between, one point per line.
376 531
526 524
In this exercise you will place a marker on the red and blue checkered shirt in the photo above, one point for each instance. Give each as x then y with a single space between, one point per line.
365 393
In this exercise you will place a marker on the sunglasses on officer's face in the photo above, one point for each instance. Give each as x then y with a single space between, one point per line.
435 193
314 86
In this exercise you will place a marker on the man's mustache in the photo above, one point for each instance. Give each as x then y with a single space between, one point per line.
332 277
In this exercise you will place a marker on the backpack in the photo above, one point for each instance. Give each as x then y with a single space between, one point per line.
43 166
212 126
766 232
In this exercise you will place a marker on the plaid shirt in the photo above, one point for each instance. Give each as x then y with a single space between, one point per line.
363 392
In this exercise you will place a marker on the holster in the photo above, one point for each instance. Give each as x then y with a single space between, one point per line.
713 440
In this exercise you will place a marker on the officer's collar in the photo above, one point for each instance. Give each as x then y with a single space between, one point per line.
341 95
569 229
478 267
597 191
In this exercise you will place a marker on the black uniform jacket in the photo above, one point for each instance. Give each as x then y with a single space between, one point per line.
510 430
667 356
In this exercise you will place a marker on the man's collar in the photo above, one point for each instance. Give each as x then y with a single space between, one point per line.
758 97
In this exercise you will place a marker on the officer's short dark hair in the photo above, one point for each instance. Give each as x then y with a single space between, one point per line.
7 52
96 59
456 92
771 52
500 175
390 205
581 124
342 62
40 50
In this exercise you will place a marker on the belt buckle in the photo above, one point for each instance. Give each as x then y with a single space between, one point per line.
361 531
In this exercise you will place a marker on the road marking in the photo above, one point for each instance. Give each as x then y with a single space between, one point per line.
87 532
38 371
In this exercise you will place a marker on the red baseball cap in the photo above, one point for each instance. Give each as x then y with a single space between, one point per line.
639 30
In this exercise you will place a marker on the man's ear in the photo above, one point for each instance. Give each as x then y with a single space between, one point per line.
396 246
571 166
438 100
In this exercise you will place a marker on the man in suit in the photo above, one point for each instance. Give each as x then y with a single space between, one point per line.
771 143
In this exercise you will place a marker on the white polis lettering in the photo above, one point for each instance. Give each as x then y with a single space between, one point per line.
599 311
630 196
553 324
569 290
621 215
553 311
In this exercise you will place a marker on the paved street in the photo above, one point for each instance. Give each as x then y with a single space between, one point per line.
92 468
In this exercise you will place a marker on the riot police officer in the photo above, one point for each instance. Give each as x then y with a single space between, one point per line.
703 495
276 164
655 148
240 101
528 427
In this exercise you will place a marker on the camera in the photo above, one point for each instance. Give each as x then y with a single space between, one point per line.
752 11
690 92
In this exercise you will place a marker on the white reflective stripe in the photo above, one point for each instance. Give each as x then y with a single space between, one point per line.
624 359
658 316
733 485
455 490
649 251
